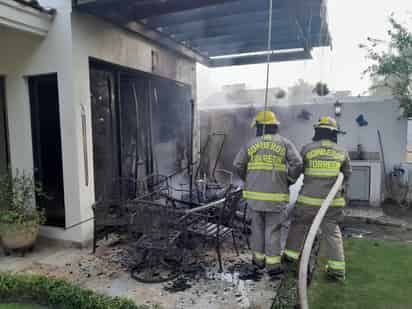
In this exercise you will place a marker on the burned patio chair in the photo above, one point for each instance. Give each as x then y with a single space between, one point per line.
154 232
111 212
218 223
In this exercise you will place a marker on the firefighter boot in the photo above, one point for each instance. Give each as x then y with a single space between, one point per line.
335 273
275 270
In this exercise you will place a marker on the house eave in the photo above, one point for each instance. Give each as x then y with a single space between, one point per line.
24 18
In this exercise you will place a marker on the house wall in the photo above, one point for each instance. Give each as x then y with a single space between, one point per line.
381 114
93 38
24 55
73 38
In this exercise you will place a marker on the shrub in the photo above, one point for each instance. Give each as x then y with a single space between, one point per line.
56 293
17 194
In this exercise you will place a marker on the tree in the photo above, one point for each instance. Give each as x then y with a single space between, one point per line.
321 89
379 87
280 94
392 67
300 91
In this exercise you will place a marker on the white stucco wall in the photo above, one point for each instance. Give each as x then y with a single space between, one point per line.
23 55
381 113
72 39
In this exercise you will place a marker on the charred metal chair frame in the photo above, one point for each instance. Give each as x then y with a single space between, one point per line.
216 223
154 231
111 212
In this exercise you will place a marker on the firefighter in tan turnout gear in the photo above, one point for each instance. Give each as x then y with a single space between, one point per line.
323 160
268 164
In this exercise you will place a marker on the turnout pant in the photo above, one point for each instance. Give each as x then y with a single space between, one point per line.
265 240
331 235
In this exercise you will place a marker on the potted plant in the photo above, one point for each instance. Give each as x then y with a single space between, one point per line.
19 217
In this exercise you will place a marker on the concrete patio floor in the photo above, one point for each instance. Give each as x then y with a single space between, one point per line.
104 273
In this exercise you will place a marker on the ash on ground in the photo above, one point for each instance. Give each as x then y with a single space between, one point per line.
200 285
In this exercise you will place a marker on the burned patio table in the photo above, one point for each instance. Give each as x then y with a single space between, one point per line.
159 234
203 207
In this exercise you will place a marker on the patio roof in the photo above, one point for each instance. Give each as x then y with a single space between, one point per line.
215 32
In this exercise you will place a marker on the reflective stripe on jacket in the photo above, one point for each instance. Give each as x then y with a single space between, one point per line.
267 164
322 162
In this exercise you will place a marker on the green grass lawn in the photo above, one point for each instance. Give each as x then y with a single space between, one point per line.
379 276
19 306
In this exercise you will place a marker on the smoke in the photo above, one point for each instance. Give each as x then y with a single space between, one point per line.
238 95
205 84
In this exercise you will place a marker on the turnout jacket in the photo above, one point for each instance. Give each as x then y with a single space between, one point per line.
322 162
268 164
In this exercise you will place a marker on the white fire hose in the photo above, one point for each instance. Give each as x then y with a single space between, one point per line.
307 248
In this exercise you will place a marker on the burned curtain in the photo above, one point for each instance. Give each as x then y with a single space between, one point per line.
171 125
135 125
155 116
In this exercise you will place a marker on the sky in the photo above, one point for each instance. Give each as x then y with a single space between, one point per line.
351 22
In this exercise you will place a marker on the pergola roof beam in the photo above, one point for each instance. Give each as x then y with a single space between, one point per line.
254 59
252 47
261 45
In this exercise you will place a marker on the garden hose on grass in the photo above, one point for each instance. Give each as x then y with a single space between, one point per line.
307 248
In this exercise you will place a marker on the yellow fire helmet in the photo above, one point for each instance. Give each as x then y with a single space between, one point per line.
327 122
265 117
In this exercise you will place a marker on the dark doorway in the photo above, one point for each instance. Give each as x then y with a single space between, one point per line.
171 113
4 160
47 150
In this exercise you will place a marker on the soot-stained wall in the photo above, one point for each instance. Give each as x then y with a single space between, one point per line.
297 125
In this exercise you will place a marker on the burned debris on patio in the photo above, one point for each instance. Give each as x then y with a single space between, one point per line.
197 251
194 244
161 233
162 226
